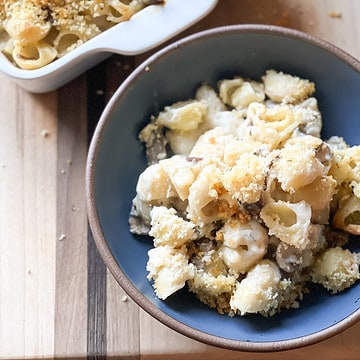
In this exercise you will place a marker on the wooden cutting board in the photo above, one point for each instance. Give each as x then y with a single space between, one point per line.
57 299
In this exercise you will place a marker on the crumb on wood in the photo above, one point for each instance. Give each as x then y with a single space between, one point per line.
45 133
124 298
335 14
62 237
284 19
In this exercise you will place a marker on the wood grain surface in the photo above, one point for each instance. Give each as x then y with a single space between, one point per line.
57 298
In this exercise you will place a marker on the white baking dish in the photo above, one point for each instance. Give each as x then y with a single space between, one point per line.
144 31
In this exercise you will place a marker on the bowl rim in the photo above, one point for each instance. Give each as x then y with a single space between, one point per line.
99 238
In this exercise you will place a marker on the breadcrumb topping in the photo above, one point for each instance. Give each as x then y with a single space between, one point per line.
61 24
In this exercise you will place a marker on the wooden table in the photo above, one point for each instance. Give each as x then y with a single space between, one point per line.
57 298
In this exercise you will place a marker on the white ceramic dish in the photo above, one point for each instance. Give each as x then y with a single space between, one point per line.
144 31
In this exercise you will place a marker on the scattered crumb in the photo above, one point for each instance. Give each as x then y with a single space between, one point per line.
99 92
62 237
62 171
335 14
147 68
284 19
126 67
74 208
28 271
124 298
45 133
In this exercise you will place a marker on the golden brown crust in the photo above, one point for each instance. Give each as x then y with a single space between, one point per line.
68 24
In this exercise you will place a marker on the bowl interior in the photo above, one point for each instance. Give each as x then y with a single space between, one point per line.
173 75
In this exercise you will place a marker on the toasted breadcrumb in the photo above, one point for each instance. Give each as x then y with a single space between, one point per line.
169 229
335 14
336 269
286 88
169 268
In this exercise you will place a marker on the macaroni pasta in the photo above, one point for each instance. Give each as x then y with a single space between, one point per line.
249 204
33 33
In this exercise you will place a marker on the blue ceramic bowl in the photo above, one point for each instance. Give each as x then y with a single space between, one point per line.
116 158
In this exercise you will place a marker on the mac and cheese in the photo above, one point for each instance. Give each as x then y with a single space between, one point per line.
33 33
249 204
